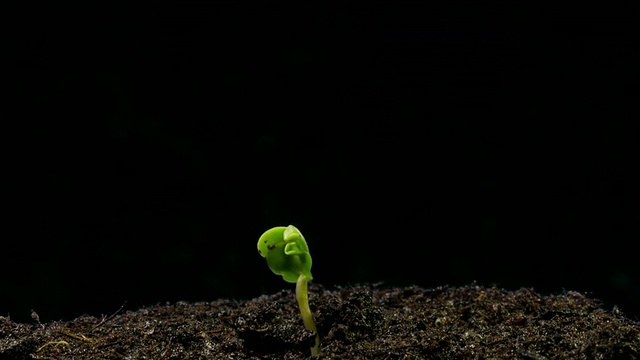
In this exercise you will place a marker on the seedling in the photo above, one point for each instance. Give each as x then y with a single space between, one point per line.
288 255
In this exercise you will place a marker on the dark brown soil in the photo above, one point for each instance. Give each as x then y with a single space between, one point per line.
359 322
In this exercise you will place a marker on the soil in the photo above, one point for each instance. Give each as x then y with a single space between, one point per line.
357 322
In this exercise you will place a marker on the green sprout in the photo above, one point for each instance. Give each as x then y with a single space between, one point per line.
288 255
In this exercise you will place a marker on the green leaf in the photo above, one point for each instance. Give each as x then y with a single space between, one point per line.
286 252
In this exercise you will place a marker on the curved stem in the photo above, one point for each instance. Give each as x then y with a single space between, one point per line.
307 318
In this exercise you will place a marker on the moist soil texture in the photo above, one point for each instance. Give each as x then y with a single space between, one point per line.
367 321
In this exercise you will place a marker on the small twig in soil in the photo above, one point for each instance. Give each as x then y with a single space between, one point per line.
77 337
61 342
105 320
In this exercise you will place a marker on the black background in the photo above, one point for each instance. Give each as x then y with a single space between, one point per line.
149 145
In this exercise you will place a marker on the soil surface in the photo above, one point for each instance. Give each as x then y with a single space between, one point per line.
357 322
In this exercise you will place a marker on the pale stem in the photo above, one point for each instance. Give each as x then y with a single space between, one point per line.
303 302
